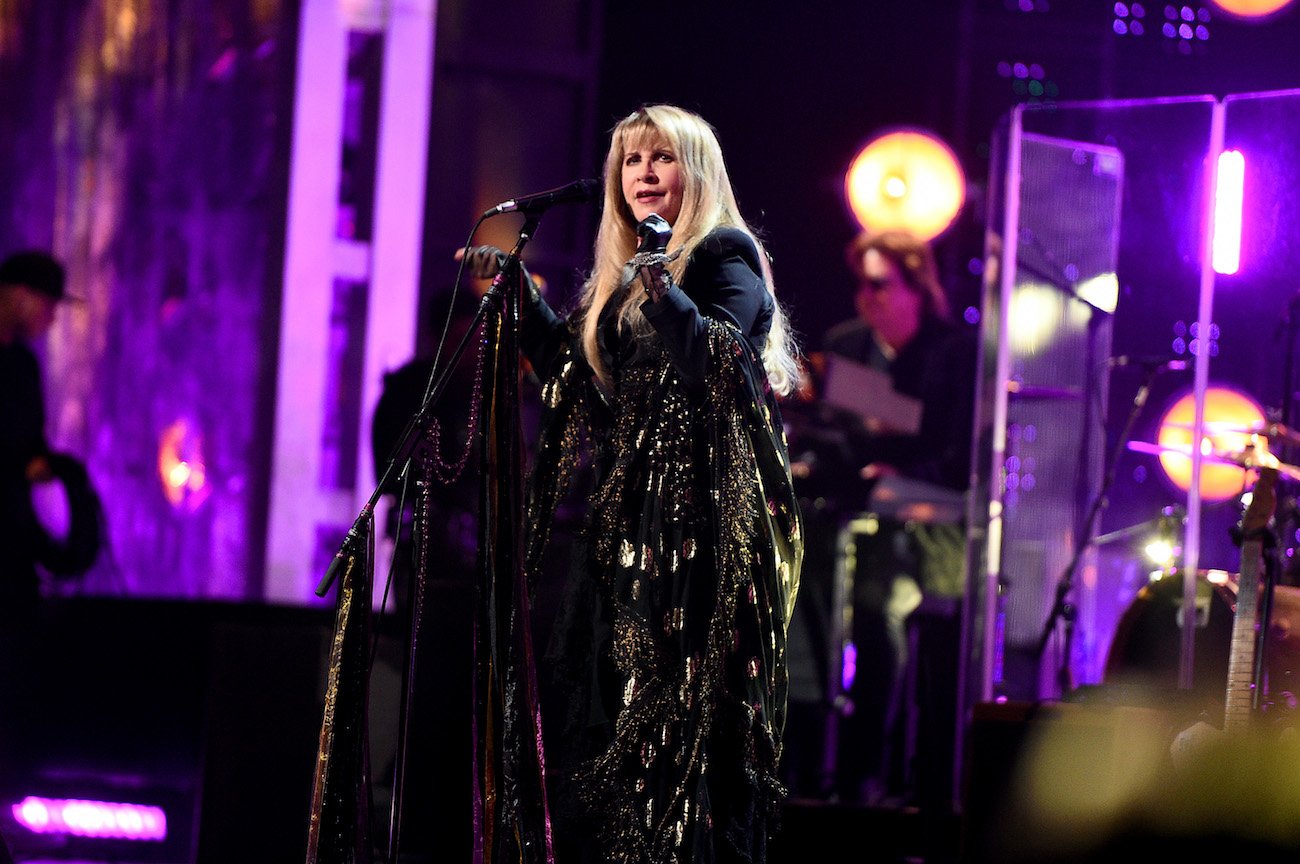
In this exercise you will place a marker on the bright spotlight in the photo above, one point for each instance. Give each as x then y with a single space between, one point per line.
1160 552
1251 8
905 179
1230 418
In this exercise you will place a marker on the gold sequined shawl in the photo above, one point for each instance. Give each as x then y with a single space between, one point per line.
689 570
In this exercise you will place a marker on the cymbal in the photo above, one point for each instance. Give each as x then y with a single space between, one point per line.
1269 430
1161 449
1219 457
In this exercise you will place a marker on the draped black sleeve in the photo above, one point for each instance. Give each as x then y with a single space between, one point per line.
723 281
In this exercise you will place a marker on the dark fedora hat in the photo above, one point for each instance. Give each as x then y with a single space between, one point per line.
38 271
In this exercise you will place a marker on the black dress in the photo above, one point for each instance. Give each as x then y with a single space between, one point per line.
670 644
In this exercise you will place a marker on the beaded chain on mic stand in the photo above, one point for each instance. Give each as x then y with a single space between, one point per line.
447 472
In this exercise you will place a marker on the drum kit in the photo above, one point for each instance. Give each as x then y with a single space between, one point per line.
1145 646
1146 643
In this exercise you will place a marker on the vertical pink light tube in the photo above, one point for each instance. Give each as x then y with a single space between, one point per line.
1225 253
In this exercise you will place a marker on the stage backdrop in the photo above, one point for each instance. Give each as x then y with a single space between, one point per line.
145 146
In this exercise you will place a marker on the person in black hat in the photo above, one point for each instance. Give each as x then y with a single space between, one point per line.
32 284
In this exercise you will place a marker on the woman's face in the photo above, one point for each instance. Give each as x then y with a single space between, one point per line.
652 180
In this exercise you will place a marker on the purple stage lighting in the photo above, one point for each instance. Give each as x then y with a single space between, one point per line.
1228 197
84 818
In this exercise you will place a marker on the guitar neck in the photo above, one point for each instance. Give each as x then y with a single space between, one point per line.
1240 700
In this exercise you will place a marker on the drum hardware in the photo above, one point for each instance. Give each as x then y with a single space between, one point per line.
1237 458
1145 643
1170 518
1272 431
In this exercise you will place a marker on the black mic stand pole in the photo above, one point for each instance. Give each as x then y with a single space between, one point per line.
1290 325
510 818
498 299
1062 608
1290 321
342 775
399 462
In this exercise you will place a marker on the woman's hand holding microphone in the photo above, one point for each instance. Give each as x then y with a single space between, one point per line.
651 256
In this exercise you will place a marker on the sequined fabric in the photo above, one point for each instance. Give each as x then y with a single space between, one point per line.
671 643
339 821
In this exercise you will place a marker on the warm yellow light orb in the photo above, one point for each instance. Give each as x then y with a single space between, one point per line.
180 466
905 179
1229 418
1251 8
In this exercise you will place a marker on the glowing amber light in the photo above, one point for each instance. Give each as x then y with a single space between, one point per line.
1251 8
1229 418
181 468
908 180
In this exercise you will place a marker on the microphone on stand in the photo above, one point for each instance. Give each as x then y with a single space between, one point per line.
1156 363
577 192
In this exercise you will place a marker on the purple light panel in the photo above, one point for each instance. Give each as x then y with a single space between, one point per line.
84 818
1228 198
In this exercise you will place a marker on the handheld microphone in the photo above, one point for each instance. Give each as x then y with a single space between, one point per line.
1159 363
577 192
655 232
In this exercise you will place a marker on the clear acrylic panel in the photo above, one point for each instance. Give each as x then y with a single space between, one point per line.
1097 229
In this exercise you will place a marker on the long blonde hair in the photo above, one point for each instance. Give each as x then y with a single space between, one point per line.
708 202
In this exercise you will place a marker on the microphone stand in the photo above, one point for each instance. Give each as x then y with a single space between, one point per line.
360 535
1062 609
511 820
398 461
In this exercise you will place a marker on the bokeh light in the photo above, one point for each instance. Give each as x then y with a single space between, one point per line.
1230 418
181 467
906 179
1251 8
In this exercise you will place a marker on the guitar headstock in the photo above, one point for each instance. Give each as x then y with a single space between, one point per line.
1262 497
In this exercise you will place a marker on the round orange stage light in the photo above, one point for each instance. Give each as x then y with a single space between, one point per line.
1229 418
906 179
180 466
1251 8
